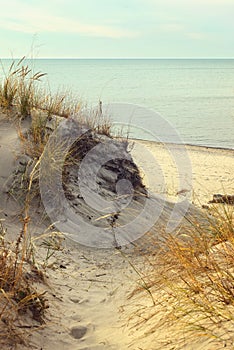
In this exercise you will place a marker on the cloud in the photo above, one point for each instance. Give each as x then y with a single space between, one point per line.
61 25
32 19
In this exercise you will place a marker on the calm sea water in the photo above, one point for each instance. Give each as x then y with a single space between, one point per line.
196 96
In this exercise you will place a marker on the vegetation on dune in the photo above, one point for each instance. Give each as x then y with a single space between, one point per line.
22 97
22 280
20 89
191 282
37 113
19 300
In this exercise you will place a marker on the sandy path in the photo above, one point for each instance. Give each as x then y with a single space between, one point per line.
88 296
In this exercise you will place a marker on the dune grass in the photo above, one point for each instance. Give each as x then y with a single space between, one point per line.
19 300
192 284
22 96
18 87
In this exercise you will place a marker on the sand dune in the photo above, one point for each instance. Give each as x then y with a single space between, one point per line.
88 288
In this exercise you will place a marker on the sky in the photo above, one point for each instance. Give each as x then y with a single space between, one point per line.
117 28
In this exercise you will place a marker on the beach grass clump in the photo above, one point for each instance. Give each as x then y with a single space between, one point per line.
62 103
22 96
8 88
35 137
26 90
21 305
18 87
192 284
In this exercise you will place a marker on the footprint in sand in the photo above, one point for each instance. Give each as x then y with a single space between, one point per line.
78 332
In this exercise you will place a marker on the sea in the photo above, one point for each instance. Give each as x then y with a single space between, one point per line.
195 97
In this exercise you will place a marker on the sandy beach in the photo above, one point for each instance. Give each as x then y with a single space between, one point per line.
88 289
203 171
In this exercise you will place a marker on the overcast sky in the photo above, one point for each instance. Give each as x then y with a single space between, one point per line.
117 28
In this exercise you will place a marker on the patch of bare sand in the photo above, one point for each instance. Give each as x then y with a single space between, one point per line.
192 171
9 147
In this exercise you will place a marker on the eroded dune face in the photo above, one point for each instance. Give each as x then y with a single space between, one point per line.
95 193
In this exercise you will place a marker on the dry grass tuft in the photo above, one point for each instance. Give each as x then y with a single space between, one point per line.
62 103
21 305
21 95
192 283
18 88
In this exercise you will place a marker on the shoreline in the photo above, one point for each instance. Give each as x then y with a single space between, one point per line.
185 145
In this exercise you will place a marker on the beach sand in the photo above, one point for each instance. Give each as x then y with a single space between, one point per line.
192 171
88 289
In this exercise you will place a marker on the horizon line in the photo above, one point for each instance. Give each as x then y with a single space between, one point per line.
121 58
